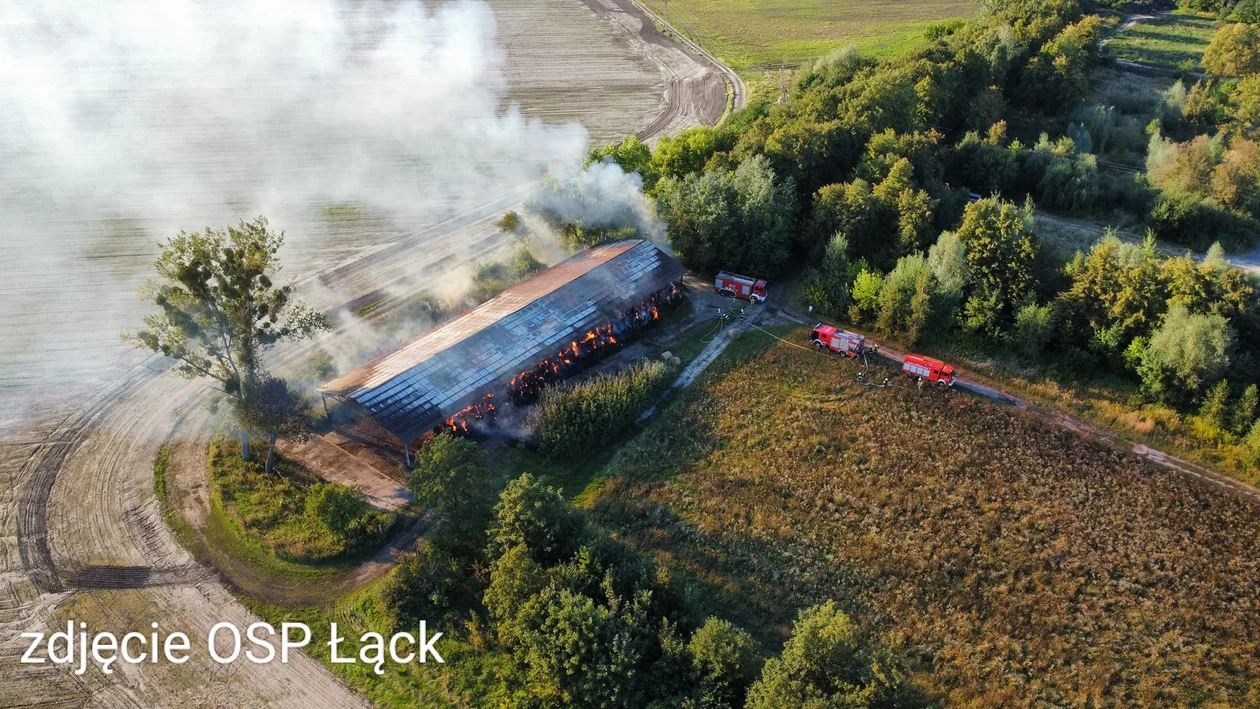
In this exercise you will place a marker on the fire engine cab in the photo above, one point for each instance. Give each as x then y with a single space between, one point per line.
734 285
933 370
833 338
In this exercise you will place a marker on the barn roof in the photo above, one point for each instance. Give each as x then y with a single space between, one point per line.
442 371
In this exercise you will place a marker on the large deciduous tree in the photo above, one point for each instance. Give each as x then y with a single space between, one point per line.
1001 250
271 407
1189 352
1233 51
452 476
741 220
219 307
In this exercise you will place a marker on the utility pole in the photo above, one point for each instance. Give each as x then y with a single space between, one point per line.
783 91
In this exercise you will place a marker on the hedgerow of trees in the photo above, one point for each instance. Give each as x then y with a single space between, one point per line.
913 209
581 620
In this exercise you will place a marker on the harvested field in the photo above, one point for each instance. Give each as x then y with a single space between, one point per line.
616 77
1020 564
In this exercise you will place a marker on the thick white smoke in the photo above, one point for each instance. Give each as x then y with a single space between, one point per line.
125 121
602 195
178 109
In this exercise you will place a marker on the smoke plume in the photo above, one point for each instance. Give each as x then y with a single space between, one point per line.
124 122
602 196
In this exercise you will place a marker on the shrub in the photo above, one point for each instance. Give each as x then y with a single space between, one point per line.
452 476
1214 412
825 664
866 290
827 287
426 585
575 419
1245 410
337 506
1251 445
1033 329
727 662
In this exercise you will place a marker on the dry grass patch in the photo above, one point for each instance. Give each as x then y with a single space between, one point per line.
1020 564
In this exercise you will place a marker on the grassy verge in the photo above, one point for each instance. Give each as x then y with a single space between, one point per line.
1174 42
755 35
1109 402
363 610
217 538
170 502
282 511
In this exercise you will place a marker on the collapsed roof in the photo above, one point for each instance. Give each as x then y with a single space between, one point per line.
444 370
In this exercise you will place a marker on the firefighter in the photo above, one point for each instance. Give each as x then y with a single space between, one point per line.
920 383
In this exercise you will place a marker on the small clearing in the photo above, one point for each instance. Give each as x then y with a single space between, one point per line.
1172 42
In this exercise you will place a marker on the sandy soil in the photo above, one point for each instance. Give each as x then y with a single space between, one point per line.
80 528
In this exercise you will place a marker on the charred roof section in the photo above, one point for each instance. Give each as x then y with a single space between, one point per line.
419 385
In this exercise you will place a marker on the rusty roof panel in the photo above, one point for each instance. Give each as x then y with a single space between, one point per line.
456 363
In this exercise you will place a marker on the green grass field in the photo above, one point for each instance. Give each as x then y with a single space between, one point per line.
757 35
1174 42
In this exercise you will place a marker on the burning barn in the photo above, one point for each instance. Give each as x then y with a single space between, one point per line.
511 346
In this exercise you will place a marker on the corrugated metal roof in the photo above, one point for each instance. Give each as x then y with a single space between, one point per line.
456 363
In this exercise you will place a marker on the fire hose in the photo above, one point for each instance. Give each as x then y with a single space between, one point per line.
861 377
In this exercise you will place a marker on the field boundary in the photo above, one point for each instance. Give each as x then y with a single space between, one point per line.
739 92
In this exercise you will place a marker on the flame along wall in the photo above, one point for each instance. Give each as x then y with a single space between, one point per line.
596 344
532 333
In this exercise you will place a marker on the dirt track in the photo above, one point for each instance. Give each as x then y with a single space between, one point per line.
94 440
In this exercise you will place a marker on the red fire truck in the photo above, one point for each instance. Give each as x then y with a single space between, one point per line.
734 285
833 338
933 370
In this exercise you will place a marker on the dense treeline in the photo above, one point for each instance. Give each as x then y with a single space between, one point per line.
900 190
578 619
